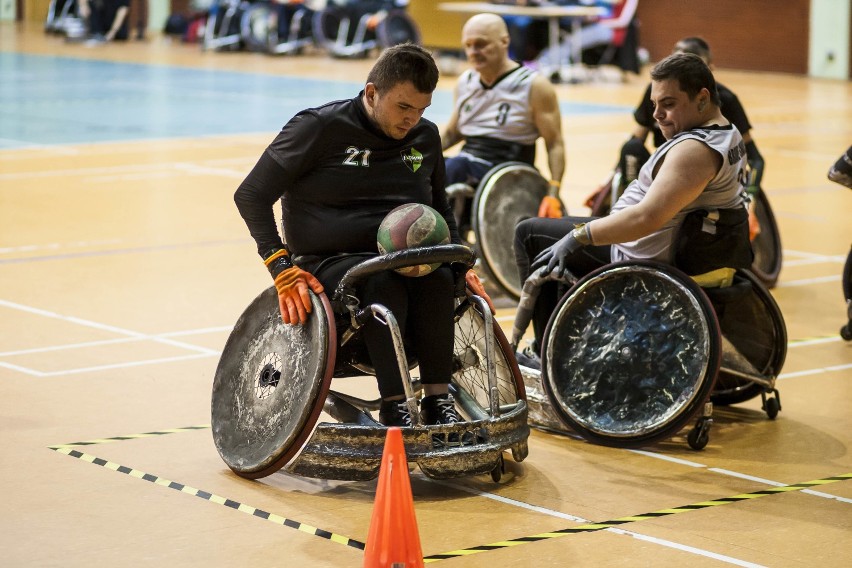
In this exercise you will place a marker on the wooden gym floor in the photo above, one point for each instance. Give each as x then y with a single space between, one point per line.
124 264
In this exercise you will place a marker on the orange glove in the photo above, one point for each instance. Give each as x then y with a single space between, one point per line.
474 284
292 284
550 207
753 225
293 298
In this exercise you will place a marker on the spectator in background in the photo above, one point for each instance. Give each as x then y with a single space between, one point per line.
141 12
605 31
528 36
107 19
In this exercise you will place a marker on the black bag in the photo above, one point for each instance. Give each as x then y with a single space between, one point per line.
708 240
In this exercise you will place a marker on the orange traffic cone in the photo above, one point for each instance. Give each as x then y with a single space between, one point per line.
393 541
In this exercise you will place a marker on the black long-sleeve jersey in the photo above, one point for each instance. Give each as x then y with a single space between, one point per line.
731 108
337 176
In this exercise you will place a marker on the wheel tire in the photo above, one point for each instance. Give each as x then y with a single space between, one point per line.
767 244
630 354
698 438
772 407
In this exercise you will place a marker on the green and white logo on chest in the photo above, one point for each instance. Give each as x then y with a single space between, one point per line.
412 159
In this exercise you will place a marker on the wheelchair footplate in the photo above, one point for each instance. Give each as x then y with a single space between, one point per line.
353 452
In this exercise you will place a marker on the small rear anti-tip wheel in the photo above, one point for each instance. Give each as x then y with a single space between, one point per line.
699 435
846 332
499 469
771 406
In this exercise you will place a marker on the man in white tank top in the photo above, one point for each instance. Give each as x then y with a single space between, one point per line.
501 108
701 166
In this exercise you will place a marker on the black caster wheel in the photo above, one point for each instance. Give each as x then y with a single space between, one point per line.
497 472
699 435
846 332
771 406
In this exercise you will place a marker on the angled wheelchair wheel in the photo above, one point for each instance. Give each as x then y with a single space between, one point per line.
846 330
397 27
254 27
270 385
754 338
326 25
470 365
630 354
767 244
507 195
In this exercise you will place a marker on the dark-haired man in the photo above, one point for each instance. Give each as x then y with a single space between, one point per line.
700 166
338 169
634 153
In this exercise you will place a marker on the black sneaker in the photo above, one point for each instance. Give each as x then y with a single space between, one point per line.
440 409
528 358
395 413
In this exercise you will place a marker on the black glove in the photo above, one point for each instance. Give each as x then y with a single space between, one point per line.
555 255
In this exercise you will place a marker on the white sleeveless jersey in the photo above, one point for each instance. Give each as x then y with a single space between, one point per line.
725 191
500 111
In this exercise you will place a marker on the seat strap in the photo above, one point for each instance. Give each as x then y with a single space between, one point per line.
719 278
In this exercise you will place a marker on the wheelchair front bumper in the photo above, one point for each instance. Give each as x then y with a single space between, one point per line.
353 452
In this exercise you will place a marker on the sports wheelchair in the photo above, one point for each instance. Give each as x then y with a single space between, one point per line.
635 350
352 28
222 29
766 244
507 194
277 28
63 18
273 383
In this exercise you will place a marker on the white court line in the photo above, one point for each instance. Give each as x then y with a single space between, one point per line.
777 484
815 341
57 246
807 281
68 346
816 260
126 170
105 327
100 342
94 368
200 331
667 458
815 255
818 371
558 514
735 474
179 168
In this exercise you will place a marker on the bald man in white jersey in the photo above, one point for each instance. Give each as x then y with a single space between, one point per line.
501 108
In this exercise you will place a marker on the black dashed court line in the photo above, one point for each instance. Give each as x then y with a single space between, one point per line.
131 437
212 497
68 449
592 527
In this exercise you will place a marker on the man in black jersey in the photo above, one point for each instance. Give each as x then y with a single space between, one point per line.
634 153
338 169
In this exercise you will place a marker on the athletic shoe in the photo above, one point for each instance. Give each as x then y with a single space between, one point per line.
528 358
440 409
395 413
